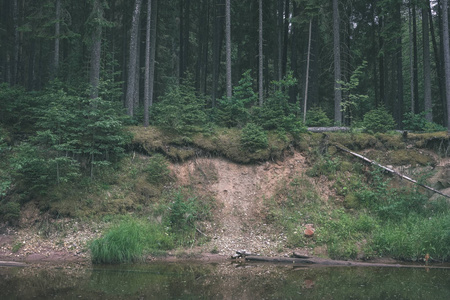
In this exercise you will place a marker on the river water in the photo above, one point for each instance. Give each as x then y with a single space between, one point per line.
222 280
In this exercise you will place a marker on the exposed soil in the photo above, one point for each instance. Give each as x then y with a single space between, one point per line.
239 223
240 191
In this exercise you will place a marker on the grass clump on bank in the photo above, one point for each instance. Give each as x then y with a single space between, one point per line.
129 241
174 223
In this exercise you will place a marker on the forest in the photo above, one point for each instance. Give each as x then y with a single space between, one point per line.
338 59
98 97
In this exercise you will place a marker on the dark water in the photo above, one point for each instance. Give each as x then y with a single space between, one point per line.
222 281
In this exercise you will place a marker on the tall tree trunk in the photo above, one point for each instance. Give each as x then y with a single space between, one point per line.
96 49
307 72
137 85
438 61
446 58
399 60
228 46
15 54
147 64
261 59
185 22
153 46
313 98
337 64
203 21
294 89
285 38
426 63
381 62
132 64
57 39
415 62
217 46
280 39
411 60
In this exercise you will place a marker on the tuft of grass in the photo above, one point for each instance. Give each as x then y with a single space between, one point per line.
414 236
17 246
129 241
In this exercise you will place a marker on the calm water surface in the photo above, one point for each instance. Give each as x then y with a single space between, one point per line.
221 281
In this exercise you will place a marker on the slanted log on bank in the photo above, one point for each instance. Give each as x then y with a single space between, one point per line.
390 170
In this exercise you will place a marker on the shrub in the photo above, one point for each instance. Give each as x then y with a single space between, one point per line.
378 120
10 211
235 112
180 109
418 122
157 169
253 137
316 117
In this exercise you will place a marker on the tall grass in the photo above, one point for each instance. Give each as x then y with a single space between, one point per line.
129 241
415 236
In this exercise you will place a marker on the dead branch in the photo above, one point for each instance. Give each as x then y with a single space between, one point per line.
390 170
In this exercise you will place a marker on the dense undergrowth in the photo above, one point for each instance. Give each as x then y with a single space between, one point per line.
367 217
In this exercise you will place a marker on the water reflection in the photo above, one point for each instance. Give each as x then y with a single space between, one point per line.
222 281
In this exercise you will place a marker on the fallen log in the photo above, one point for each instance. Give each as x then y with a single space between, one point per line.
390 170
329 262
12 264
328 129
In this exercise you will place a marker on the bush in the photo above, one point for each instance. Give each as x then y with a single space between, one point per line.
180 109
157 169
378 120
235 112
10 211
253 138
418 122
316 117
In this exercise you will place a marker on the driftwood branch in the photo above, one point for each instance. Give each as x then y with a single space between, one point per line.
390 170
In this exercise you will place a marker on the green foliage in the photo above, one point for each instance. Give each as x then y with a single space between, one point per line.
236 112
10 211
157 169
342 232
277 113
316 117
36 169
418 122
414 237
183 213
378 120
324 165
181 110
18 108
129 241
253 137
353 102
90 129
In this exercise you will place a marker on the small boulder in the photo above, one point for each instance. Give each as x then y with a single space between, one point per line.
309 230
